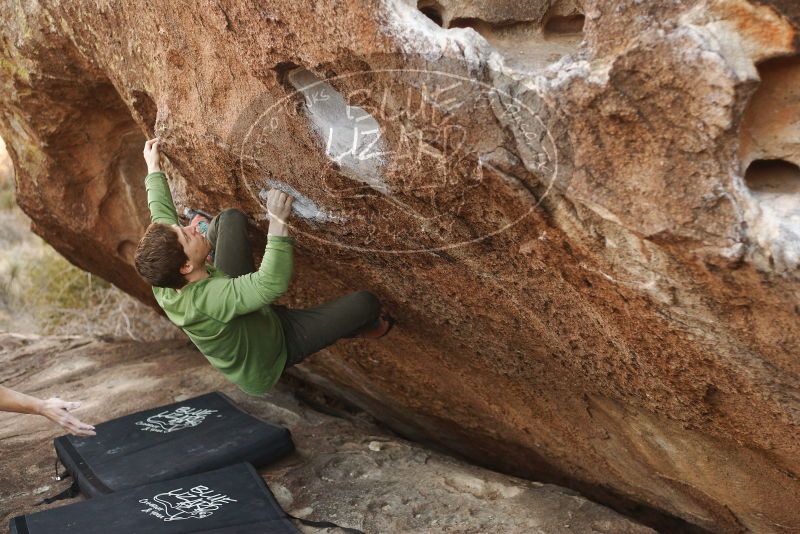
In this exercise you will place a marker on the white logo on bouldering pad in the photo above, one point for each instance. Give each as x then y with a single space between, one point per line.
183 417
198 502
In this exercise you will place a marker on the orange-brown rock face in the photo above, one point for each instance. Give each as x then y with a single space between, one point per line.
585 214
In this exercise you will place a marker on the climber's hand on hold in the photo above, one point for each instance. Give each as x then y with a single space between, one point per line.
279 207
151 155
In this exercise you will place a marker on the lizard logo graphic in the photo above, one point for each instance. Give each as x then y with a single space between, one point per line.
183 417
198 502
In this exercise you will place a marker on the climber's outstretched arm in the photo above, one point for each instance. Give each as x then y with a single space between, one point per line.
159 199
225 298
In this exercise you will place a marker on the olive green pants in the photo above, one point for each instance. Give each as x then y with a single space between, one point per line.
306 330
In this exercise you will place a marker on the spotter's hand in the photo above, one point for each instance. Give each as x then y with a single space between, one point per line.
58 412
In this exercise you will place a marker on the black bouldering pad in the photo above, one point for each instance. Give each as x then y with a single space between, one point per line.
192 436
231 500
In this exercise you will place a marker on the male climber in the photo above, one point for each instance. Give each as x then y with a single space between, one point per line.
226 308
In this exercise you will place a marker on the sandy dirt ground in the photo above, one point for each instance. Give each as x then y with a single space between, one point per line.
345 469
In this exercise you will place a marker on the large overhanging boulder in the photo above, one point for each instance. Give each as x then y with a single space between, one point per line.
585 214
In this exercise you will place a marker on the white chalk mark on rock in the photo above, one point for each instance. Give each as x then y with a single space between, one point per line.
302 206
351 136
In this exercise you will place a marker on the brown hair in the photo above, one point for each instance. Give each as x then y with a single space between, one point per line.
160 256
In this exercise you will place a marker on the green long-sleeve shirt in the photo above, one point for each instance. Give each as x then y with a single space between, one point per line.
229 319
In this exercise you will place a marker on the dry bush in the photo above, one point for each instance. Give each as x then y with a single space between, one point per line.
6 179
67 300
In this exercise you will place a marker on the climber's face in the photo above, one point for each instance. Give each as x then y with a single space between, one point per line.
194 244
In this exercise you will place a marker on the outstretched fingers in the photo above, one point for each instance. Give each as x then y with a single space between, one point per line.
74 425
77 427
57 410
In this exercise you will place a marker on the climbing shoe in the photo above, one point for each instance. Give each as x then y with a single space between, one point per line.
385 324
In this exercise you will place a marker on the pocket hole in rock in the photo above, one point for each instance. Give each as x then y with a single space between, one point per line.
126 250
766 176
146 109
433 10
564 25
526 42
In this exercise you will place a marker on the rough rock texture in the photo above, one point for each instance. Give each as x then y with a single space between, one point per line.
345 469
586 220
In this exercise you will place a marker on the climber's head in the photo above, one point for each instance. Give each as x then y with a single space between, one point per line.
162 257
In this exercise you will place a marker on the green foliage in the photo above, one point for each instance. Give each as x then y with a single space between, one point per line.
7 200
42 293
56 288
7 197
